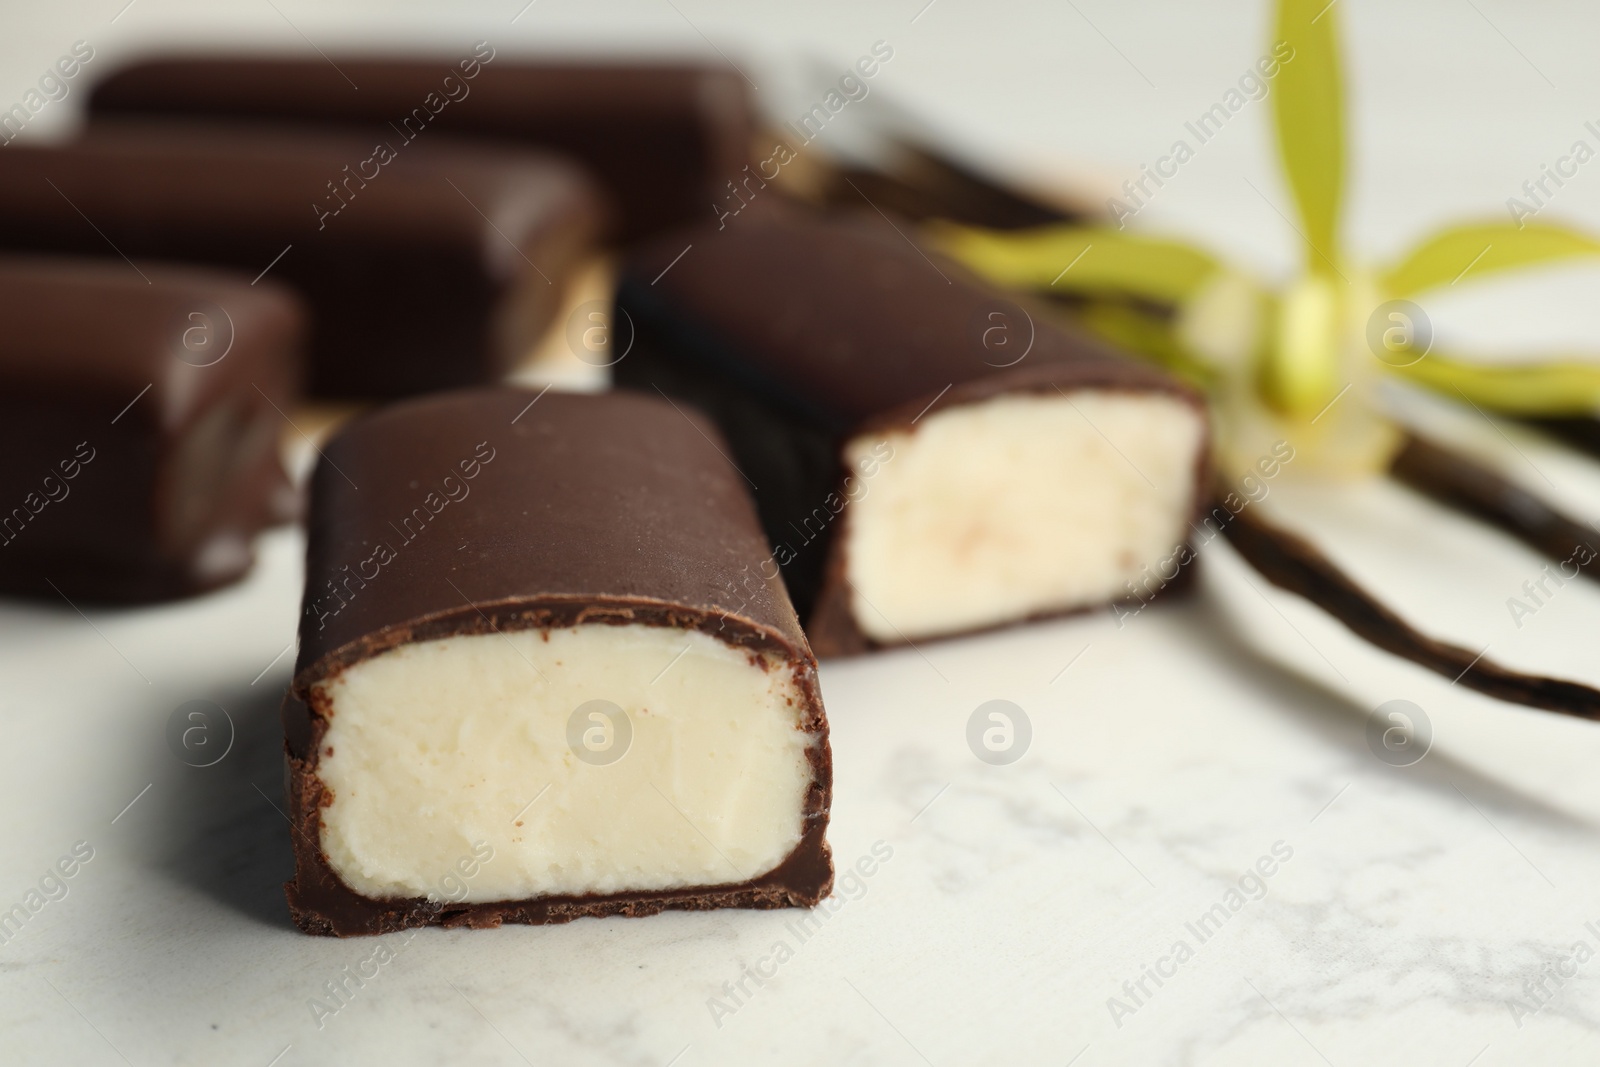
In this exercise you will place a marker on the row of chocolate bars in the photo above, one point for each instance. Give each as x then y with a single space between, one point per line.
359 248
819 420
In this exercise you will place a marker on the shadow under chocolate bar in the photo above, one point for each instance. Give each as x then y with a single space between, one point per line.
425 265
930 456
663 138
139 420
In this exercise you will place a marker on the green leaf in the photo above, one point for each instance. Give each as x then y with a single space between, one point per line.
1471 251
1308 106
1567 387
1077 259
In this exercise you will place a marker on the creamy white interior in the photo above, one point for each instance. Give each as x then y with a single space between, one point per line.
1017 505
439 745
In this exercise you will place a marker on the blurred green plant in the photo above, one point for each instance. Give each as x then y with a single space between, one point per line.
1304 360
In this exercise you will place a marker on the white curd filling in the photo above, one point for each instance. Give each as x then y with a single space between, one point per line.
441 752
1018 505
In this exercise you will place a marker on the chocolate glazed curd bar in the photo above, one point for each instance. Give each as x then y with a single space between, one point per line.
426 265
663 138
931 457
528 687
139 420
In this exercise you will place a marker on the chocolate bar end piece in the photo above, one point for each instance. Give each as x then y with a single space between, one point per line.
139 414
933 457
546 672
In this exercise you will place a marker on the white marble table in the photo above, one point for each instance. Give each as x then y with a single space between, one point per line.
1014 914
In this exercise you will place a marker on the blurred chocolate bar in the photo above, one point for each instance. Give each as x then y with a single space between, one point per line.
930 457
664 139
425 265
140 412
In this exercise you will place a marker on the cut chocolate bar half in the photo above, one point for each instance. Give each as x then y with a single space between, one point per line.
546 670
139 420
664 138
931 456
426 264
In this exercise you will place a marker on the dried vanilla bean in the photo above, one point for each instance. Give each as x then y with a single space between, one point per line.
1461 482
1579 431
1293 563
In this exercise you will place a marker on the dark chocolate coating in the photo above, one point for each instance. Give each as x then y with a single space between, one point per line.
609 509
129 465
662 138
797 329
441 268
